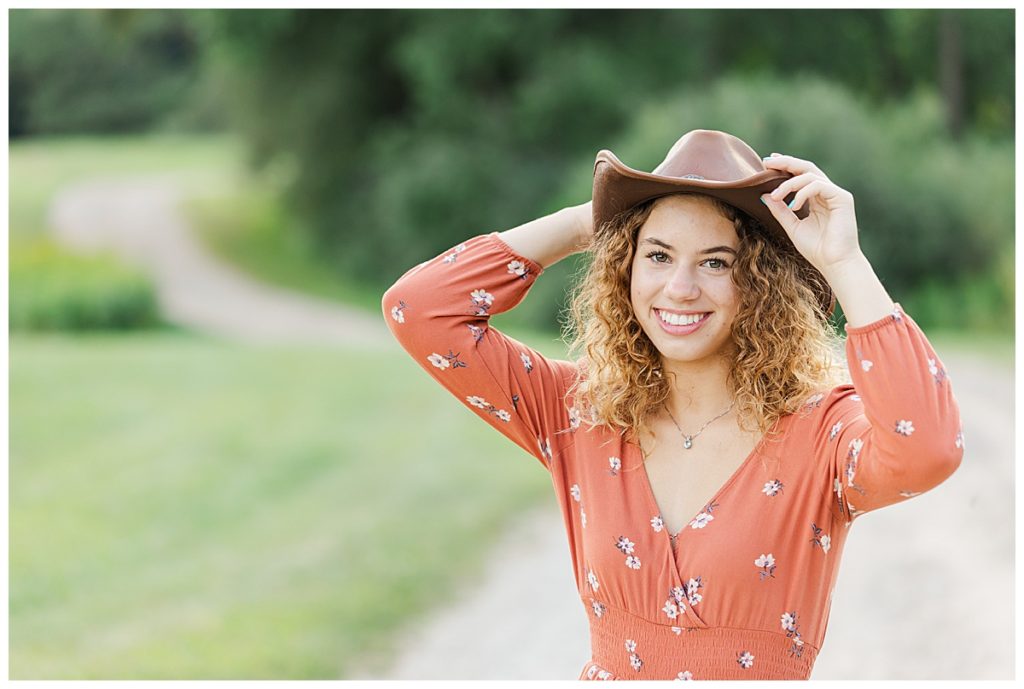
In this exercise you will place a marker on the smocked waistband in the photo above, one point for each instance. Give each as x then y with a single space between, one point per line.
624 646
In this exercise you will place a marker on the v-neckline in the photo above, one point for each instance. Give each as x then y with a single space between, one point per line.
673 547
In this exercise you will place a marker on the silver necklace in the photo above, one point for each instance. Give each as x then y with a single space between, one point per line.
688 439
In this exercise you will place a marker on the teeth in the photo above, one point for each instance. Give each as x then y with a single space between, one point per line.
676 319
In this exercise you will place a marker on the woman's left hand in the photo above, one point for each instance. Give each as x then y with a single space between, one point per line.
827 237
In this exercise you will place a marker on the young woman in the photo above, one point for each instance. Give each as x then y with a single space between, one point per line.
705 451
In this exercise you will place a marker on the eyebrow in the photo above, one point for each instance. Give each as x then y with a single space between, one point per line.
712 250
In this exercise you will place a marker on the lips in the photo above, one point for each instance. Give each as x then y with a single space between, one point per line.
680 317
682 329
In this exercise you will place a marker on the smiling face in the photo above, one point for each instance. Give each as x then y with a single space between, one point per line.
681 287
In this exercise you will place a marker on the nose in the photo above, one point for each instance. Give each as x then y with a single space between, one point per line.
682 285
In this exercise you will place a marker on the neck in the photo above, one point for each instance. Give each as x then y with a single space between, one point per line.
699 390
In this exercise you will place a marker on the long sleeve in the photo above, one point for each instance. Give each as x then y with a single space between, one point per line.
896 432
439 311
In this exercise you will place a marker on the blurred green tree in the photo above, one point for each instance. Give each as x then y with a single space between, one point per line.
99 71
406 131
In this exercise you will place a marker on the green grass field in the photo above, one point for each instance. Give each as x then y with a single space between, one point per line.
186 508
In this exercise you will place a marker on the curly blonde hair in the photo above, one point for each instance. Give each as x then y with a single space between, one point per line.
786 349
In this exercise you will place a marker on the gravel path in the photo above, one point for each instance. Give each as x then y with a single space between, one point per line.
925 591
139 219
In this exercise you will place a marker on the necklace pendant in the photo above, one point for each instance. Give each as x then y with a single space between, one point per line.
687 441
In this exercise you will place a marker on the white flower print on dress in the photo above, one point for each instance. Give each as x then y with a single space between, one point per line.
625 545
959 442
451 258
574 491
676 603
938 373
545 447
634 659
851 460
614 464
692 587
896 314
518 268
527 363
702 519
598 607
477 331
633 562
677 630
583 517
396 312
909 493
574 418
904 427
685 675
594 670
592 579
789 625
837 488
767 565
481 296
482 300
855 398
815 400
444 361
745 659
657 524
820 539
772 488
481 403
866 365
835 430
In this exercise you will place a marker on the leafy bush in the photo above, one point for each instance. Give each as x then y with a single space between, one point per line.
53 290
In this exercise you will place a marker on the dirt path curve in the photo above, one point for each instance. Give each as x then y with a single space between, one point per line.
925 591
139 219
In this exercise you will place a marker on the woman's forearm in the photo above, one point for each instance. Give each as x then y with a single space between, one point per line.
551 238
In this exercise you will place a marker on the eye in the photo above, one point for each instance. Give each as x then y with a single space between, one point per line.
657 253
720 264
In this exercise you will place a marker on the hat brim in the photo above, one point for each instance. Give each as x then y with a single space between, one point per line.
618 187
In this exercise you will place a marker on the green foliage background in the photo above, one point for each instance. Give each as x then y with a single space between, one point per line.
405 132
398 133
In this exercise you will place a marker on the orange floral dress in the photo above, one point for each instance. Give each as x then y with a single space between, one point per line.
747 589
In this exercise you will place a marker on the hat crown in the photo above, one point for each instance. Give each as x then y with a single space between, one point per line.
711 155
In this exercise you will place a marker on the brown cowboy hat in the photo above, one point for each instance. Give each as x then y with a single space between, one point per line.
702 161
